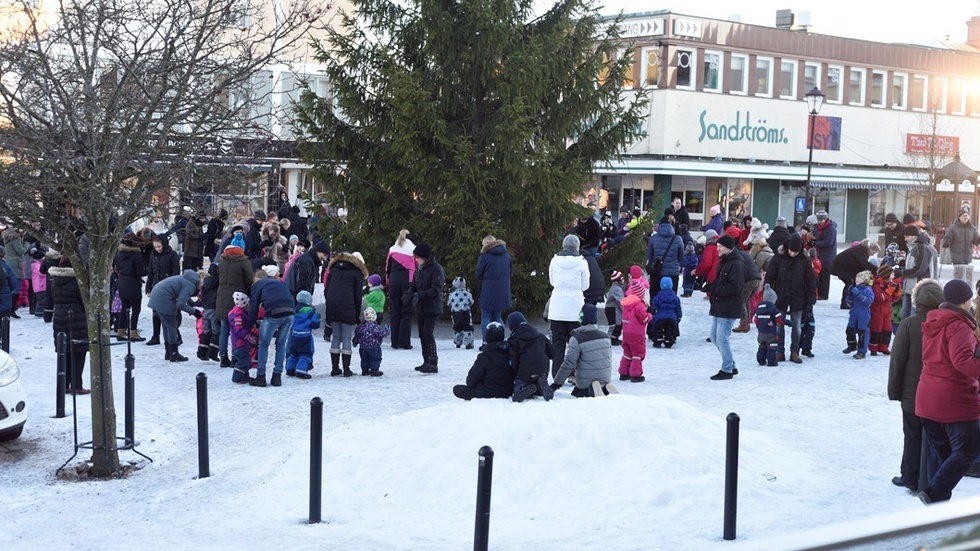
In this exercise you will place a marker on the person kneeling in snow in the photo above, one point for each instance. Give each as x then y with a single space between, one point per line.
491 375
530 356
589 356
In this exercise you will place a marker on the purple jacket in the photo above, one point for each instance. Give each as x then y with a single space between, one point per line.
370 335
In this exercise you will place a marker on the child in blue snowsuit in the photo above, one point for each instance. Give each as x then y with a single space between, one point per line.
768 320
299 348
666 308
860 298
691 261
368 338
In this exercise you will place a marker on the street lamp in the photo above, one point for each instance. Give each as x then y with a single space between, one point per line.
814 101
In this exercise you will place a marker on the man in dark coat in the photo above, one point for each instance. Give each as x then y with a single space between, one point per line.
726 304
493 271
589 232
193 242
491 375
596 292
791 275
427 295
825 240
302 274
212 237
779 234
681 216
893 232
851 262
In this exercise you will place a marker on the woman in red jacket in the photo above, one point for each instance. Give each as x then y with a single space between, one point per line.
708 267
947 397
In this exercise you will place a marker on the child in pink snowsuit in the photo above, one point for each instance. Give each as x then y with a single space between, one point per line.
635 320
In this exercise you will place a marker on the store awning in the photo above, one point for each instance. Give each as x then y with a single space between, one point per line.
902 186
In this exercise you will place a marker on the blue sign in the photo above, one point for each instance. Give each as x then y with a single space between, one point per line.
801 204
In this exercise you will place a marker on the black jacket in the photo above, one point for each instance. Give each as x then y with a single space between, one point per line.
216 228
849 262
751 270
130 269
344 289
778 236
69 310
302 274
589 232
161 266
530 353
597 284
793 280
726 291
428 282
896 236
491 374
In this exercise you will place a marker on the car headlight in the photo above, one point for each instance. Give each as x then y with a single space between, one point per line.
9 370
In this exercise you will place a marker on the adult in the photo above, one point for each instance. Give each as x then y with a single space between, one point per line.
194 242
69 318
681 216
779 234
235 275
716 221
491 375
791 275
213 234
596 292
493 270
568 274
825 240
130 269
273 295
302 274
726 305
13 242
164 262
589 233
667 246
298 224
427 294
961 236
892 232
947 397
589 356
168 298
342 293
399 273
904 369
917 265
850 263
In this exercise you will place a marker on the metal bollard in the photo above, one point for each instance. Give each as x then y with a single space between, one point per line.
731 476
5 334
316 458
203 463
130 403
484 483
61 344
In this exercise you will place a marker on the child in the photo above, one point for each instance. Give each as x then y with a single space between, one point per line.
614 310
530 358
808 324
39 281
299 348
210 326
691 261
860 299
460 302
375 297
666 307
635 319
241 338
368 337
491 375
886 293
768 320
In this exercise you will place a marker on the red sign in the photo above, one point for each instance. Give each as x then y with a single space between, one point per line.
937 145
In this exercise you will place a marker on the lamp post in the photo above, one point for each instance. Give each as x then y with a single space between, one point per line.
814 101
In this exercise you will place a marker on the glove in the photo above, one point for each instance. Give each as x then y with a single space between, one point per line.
556 386
197 314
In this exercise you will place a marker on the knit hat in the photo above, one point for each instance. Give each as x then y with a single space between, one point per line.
811 253
459 283
636 272
494 332
822 214
616 275
811 220
322 247
234 250
294 209
423 251
885 271
726 241
293 238
515 319
957 291
780 222
259 214
271 269
589 314
637 288
305 243
370 314
666 283
570 243
240 298
864 277
715 210
908 219
374 280
891 217
768 294
304 297
37 253
689 248
910 230
238 241
710 233
794 243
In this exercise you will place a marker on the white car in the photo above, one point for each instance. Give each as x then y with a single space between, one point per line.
13 399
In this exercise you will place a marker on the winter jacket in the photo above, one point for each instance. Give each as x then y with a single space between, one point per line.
370 335
491 374
302 274
960 239
825 240
193 239
896 236
305 320
613 300
428 282
13 241
39 282
886 293
569 276
69 310
374 299
761 254
752 272
768 319
681 216
344 289
13 286
778 237
589 232
216 227
905 363
666 305
209 290
726 291
130 269
240 328
948 390
597 284
851 262
589 355
298 226
717 223
665 242
274 296
174 293
635 318
161 265
460 300
234 274
793 280
708 268
493 270
918 263
400 264
530 353
860 297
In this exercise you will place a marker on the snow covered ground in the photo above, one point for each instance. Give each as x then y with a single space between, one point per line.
642 470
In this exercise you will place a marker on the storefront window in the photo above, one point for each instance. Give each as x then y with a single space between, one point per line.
876 210
739 198
716 191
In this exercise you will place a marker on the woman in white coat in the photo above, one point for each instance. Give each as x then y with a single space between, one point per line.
569 278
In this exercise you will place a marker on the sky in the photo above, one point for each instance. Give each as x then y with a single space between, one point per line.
876 20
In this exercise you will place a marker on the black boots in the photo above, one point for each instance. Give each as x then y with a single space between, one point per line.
276 379
225 360
259 380
335 364
203 348
172 354
345 358
430 358
852 341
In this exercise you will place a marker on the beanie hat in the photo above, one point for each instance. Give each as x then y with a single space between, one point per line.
304 297
234 250
637 288
780 222
271 269
240 298
768 294
589 315
515 319
811 253
259 214
911 230
715 210
812 219
305 243
863 277
636 272
570 243
710 233
222 214
374 280
891 217
370 314
908 219
322 247
423 251
885 271
794 243
957 291
37 253
666 283
294 238
616 275
822 214
459 283
726 241
238 241
294 209
494 332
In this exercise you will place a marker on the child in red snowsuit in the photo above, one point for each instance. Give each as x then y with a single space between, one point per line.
886 292
635 320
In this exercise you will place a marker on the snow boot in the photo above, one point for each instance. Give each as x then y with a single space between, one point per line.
167 352
203 346
122 335
345 359
794 357
154 340
852 343
259 380
225 360
175 355
525 391
134 335
276 379
335 364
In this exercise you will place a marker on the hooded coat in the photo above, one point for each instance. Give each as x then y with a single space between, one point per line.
530 352
493 270
491 374
428 281
793 280
667 245
69 310
589 355
161 265
948 390
130 269
851 262
234 274
905 363
569 276
726 291
960 239
344 288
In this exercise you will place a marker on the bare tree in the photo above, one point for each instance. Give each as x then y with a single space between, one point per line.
930 153
106 102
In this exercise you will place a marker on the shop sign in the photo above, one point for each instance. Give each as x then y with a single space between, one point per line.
741 129
932 143
825 132
641 27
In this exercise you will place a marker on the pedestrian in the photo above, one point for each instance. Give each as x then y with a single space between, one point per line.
491 375
850 262
589 357
614 307
825 240
300 348
213 234
569 276
69 317
235 275
460 302
530 352
427 297
691 261
667 314
368 338
493 270
768 320
892 233
708 267
635 319
917 264
242 339
273 296
589 233
779 234
194 242
753 279
886 292
791 275
130 269
665 254
168 298
681 216
726 304
13 243
343 294
399 272
808 323
860 299
210 327
961 236
164 262
716 221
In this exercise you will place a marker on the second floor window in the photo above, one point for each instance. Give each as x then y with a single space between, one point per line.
685 68
712 71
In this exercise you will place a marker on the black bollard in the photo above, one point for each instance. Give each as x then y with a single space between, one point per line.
130 400
203 466
60 344
731 476
484 483
5 334
316 458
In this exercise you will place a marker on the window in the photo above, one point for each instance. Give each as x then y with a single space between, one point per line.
811 76
957 97
712 71
899 90
787 79
739 83
650 67
939 90
857 86
835 91
686 71
919 93
763 76
236 14
974 98
877 89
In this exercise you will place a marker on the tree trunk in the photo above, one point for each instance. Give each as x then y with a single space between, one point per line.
105 453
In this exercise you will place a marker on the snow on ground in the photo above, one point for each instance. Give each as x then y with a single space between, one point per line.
642 470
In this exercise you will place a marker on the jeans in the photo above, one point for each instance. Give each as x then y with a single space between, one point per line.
957 445
279 328
486 316
211 324
721 329
907 308
793 319
223 335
